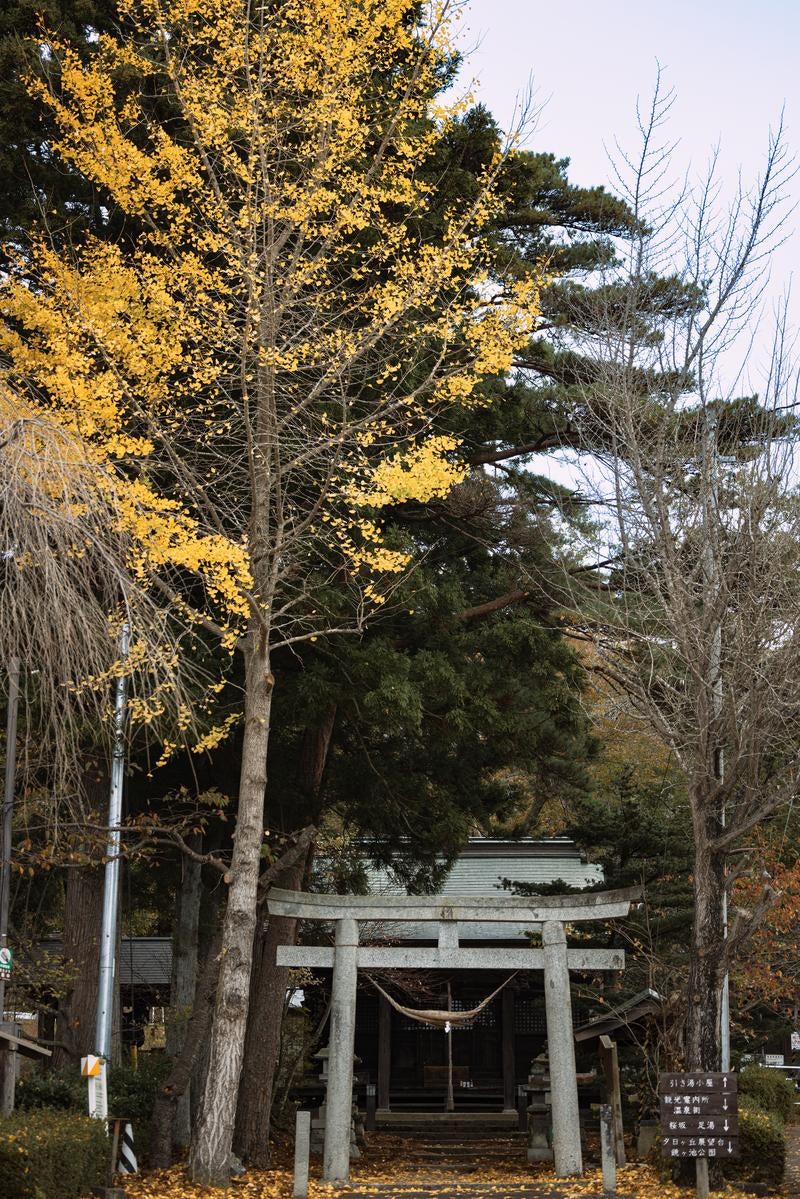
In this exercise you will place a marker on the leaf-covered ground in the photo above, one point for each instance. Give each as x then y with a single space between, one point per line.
392 1167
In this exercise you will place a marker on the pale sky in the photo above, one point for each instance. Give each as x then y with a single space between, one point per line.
733 63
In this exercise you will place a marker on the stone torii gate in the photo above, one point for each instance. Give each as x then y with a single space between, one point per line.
554 958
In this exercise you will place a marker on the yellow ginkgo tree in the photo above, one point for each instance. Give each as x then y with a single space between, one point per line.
262 365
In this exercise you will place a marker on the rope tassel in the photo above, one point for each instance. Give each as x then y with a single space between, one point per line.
441 1017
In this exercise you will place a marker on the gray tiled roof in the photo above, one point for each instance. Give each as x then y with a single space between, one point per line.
481 869
147 961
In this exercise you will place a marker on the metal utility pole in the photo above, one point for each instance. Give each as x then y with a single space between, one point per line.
108 934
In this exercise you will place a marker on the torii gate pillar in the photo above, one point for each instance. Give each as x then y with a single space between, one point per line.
561 1052
341 1047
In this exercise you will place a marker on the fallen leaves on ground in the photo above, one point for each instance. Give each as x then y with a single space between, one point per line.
390 1164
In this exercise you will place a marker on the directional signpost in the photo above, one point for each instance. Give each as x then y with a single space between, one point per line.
699 1119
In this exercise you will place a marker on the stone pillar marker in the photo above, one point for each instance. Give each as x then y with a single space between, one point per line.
336 1156
302 1148
608 1149
561 1052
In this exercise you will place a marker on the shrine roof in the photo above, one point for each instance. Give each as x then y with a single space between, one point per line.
480 871
483 865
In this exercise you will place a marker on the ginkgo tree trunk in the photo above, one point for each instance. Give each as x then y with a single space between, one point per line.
265 366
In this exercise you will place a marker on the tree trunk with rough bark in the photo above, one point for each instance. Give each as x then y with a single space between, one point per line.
268 990
77 1009
83 915
314 751
209 1156
264 1025
707 958
183 983
176 1086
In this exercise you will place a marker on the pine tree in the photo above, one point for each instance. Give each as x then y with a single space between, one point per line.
37 187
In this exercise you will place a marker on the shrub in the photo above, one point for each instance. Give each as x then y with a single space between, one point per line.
763 1142
51 1154
131 1093
62 1089
769 1090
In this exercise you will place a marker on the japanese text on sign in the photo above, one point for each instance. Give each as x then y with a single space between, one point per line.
701 1146
699 1115
696 1082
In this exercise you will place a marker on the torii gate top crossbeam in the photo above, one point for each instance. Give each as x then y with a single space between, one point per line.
512 909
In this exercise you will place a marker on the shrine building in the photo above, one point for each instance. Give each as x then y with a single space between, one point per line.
408 1060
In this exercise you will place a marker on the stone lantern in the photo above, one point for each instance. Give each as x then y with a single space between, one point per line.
538 1089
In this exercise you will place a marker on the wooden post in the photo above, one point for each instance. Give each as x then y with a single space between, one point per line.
509 1060
8 1069
610 1065
702 1177
112 1165
449 1103
384 1053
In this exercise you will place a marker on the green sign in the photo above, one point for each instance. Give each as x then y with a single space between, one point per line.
6 962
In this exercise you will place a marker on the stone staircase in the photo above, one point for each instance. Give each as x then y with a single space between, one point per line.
439 1125
432 1099
431 1166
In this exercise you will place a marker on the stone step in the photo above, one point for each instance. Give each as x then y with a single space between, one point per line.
425 1153
482 1123
444 1191
478 1152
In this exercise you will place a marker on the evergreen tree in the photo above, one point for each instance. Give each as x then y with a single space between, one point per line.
37 187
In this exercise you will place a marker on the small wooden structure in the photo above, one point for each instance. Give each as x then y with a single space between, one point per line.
11 1043
643 1006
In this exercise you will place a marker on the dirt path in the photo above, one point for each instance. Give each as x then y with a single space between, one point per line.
792 1176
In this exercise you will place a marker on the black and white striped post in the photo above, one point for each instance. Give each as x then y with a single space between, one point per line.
127 1163
117 1128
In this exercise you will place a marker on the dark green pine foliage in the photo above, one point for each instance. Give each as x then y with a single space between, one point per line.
37 188
638 827
460 707
444 715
